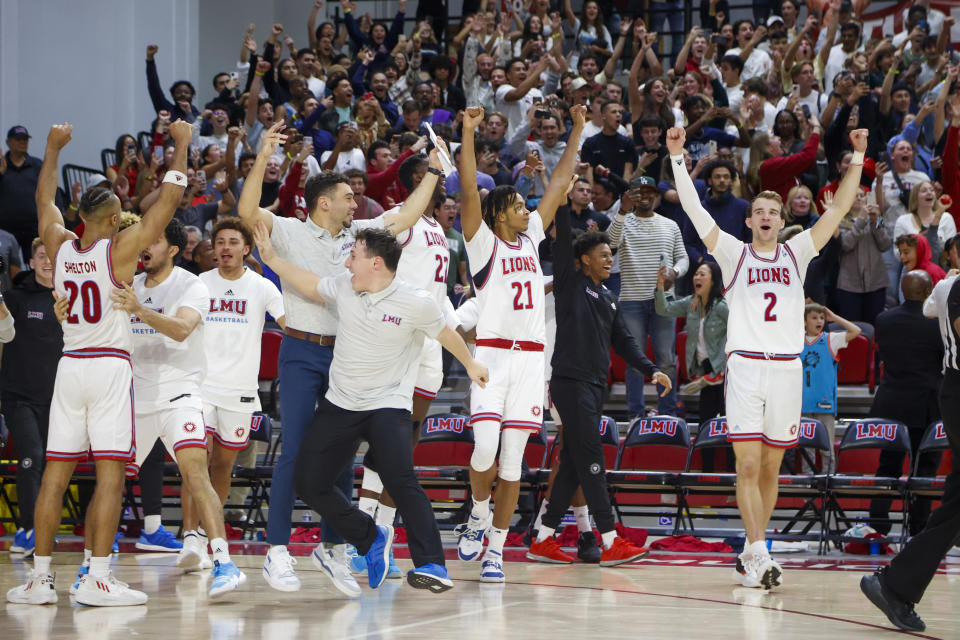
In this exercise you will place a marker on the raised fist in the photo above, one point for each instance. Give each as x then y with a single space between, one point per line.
858 138
676 137
59 135
152 51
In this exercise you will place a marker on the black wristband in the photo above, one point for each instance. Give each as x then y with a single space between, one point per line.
435 172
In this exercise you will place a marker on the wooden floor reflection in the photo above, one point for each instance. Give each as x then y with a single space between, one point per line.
650 601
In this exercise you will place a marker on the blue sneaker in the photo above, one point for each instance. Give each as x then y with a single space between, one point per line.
430 576
28 543
492 568
393 571
159 540
18 541
226 577
84 570
358 564
378 556
116 542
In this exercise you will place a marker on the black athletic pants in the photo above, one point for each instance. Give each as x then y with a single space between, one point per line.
28 425
328 449
151 480
912 569
581 458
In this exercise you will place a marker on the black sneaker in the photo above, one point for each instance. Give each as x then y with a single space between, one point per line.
529 536
587 548
897 610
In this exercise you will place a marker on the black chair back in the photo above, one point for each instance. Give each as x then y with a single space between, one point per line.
877 433
261 427
445 427
655 430
108 158
934 439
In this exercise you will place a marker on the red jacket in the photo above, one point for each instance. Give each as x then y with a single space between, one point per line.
923 259
950 172
293 201
379 183
781 174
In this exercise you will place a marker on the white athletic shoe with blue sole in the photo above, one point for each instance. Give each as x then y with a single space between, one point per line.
226 577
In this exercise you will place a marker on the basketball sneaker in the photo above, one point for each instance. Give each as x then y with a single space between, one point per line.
159 540
549 551
587 548
338 572
769 572
470 545
226 577
39 589
358 564
622 551
278 569
82 571
107 591
745 572
393 569
430 576
378 556
22 542
491 570
191 555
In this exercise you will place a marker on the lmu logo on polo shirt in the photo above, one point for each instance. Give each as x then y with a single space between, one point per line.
392 319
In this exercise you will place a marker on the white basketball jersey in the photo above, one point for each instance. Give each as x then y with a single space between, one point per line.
425 261
765 295
234 324
165 370
85 277
509 283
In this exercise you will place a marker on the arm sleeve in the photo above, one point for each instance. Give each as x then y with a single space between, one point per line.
680 260
518 143
159 101
690 200
563 267
628 348
396 28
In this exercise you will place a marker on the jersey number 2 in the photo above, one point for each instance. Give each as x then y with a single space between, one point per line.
769 315
518 302
89 294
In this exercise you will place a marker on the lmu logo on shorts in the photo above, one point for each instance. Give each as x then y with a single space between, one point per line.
189 427
535 410
239 432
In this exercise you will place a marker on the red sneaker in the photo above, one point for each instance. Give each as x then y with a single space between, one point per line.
548 551
621 552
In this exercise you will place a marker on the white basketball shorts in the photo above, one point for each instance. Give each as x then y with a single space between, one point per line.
763 400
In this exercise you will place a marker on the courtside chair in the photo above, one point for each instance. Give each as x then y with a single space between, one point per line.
812 438
934 439
711 434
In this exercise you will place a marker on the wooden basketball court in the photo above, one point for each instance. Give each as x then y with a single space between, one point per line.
669 596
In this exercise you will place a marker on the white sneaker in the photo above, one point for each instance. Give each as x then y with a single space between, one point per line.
491 570
108 592
336 566
470 545
769 572
39 589
278 569
192 555
745 572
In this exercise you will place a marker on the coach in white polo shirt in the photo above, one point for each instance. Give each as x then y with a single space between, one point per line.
383 322
321 245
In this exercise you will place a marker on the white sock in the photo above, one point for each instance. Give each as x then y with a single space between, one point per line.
496 538
386 515
87 554
608 537
221 552
201 532
481 509
582 514
371 481
368 506
539 521
151 524
759 548
41 564
544 533
100 567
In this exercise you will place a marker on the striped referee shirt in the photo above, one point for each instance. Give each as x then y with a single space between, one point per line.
640 243
943 303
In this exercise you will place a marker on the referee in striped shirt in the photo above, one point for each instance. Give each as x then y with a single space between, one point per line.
646 241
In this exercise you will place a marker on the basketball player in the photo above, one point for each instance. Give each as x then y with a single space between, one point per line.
502 241
424 263
763 285
233 326
92 399
382 324
320 244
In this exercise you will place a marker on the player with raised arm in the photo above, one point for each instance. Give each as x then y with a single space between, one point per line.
763 285
321 244
502 238
92 408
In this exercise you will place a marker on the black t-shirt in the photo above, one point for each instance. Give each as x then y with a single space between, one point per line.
30 360
613 152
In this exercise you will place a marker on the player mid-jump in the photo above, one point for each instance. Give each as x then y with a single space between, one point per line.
764 289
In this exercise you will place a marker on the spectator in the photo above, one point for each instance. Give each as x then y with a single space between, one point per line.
181 91
772 170
19 172
366 208
443 71
477 68
800 208
198 215
927 216
452 184
371 123
380 41
804 93
27 390
549 148
706 313
862 280
819 359
292 196
646 241
306 61
849 43
380 88
382 169
578 208
700 137
11 260
346 154
756 62
410 120
446 214
731 66
516 97
729 212
610 148
340 111
590 33
912 354
647 133
424 95
914 253
488 162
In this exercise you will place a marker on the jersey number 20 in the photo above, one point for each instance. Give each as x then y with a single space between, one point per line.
89 294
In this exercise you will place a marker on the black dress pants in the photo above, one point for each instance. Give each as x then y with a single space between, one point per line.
27 423
912 569
328 449
581 458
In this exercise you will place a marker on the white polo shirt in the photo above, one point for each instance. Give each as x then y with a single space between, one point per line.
311 247
377 355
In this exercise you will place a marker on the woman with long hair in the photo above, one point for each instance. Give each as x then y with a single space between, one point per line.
127 160
372 124
800 207
862 279
706 313
591 36
771 168
925 216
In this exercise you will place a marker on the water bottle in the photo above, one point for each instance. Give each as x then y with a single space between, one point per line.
307 519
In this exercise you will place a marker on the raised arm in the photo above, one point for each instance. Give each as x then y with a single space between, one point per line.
610 68
253 96
470 218
249 205
825 227
556 192
53 233
533 77
832 18
851 329
886 88
312 24
701 219
418 201
680 67
303 281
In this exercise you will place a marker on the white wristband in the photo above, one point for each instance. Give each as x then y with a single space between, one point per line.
857 157
175 178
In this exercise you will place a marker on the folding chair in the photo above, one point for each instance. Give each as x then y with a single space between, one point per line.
710 435
650 459
258 478
855 363
810 487
75 173
442 458
269 375
873 436
108 158
609 438
145 142
934 439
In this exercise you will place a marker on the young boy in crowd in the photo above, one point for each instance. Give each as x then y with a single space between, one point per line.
819 359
